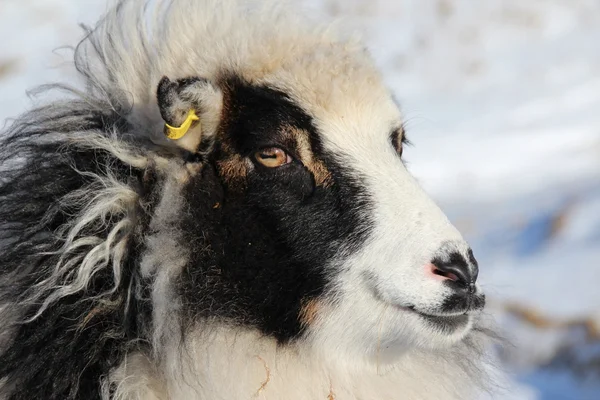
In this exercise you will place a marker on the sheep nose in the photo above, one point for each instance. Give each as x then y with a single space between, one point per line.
454 267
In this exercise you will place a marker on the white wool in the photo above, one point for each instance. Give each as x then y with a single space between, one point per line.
263 42
226 363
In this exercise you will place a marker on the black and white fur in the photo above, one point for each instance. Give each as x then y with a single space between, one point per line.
135 267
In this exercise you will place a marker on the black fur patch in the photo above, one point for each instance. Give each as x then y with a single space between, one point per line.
63 353
267 247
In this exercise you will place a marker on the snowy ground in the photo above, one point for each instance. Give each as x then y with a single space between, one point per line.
502 99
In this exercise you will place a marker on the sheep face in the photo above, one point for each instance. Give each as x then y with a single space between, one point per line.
273 245
307 226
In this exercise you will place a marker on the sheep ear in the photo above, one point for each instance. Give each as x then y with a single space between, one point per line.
191 109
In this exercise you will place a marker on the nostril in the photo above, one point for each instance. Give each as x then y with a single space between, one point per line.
444 274
454 267
441 274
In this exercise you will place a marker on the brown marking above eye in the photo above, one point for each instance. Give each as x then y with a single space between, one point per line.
272 157
314 165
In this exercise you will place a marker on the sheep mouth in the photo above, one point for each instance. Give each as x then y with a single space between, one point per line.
445 322
448 323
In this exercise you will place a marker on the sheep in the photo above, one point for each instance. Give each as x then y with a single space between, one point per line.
221 211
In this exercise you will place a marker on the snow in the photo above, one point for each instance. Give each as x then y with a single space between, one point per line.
34 34
502 103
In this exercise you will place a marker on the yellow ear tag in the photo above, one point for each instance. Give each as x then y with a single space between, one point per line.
177 133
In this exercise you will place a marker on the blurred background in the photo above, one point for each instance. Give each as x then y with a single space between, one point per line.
502 103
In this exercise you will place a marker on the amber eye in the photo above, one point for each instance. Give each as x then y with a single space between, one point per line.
272 157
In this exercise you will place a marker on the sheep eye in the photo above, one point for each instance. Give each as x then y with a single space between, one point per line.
272 157
399 140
